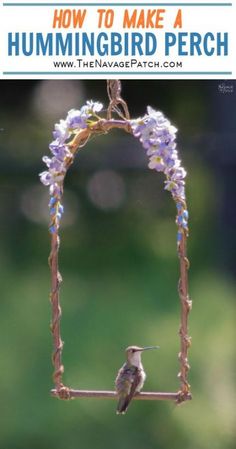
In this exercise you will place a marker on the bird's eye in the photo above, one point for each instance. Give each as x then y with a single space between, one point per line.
133 350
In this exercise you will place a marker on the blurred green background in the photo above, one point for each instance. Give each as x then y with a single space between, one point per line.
120 269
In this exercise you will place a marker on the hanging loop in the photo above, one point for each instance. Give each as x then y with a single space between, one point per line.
114 95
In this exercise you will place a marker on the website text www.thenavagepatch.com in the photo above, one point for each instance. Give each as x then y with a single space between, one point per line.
133 63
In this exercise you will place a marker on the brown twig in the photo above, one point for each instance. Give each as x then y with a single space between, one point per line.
145 395
186 304
56 312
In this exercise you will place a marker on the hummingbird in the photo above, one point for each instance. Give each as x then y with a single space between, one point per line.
131 377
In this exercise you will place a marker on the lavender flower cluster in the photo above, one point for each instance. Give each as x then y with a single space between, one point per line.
61 155
157 136
155 133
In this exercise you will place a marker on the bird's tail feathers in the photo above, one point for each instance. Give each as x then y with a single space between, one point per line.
122 405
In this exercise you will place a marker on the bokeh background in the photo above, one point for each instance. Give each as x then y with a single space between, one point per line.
120 269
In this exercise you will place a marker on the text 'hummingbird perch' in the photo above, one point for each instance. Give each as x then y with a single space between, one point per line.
131 377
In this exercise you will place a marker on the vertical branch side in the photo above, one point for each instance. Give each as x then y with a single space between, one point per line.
56 312
186 303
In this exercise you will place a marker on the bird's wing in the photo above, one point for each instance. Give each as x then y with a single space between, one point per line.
123 379
127 388
137 379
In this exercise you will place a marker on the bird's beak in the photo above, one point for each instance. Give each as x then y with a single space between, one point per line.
150 347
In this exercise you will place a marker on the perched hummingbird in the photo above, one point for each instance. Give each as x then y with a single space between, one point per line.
130 377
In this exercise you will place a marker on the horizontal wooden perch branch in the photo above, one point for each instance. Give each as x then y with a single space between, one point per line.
68 393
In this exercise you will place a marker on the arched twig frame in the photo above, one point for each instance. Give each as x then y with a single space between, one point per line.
158 137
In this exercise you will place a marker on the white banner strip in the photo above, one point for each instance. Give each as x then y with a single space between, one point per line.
126 39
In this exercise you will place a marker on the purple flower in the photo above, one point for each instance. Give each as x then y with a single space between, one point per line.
56 210
182 219
185 214
61 132
58 163
179 236
76 119
60 151
170 185
157 136
156 163
50 177
171 163
61 209
52 201
55 190
52 210
178 174
156 115
52 229
92 107
54 164
179 190
46 178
